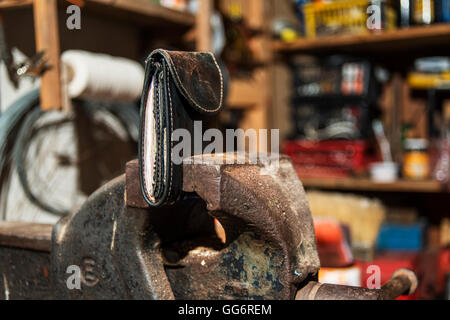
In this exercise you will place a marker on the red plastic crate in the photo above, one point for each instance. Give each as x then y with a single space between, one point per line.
444 268
306 172
333 158
389 262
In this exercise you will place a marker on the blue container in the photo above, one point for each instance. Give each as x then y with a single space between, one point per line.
401 237
299 4
442 10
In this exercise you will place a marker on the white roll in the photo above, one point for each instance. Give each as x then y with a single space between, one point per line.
102 77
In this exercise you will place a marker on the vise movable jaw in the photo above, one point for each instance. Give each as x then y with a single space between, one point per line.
134 251
128 250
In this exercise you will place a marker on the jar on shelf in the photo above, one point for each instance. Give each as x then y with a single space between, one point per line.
423 11
416 161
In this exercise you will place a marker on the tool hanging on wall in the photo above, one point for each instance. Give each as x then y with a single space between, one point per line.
34 66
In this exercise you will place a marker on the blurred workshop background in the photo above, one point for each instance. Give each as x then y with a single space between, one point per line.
360 90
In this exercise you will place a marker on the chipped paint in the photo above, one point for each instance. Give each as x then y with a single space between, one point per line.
5 285
255 263
61 233
113 235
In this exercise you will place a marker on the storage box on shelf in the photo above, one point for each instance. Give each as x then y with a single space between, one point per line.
327 158
394 236
345 17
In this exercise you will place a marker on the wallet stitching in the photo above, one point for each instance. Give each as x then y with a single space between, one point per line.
187 93
170 131
159 130
144 134
144 165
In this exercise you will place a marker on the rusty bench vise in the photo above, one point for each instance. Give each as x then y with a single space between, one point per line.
127 250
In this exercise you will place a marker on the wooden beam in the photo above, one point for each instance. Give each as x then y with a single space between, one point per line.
26 235
204 25
243 93
47 39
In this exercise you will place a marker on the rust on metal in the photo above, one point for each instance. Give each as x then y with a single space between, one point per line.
129 250
270 247
133 195
403 281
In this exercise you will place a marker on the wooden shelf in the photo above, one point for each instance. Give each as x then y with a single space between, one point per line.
25 235
406 39
47 13
357 184
10 4
142 12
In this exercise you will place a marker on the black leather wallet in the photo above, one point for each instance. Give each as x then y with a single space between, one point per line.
179 88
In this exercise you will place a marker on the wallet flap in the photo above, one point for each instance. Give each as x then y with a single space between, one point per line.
197 76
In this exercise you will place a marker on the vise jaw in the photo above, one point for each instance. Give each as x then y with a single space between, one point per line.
125 249
141 252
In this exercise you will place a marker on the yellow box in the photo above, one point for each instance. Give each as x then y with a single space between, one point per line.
344 16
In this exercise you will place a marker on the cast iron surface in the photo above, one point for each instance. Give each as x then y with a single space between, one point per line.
403 282
174 252
24 274
129 250
270 247
116 249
